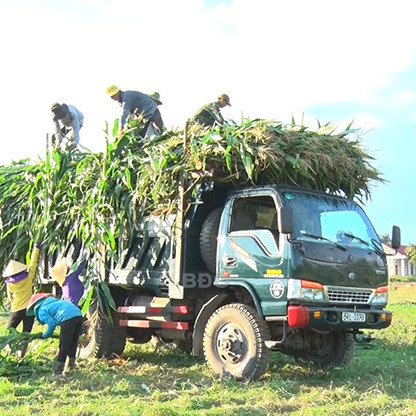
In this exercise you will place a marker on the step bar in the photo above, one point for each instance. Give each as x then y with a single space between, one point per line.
144 324
158 312
155 310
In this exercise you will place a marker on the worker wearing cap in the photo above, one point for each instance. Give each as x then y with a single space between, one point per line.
134 102
72 287
68 121
57 312
155 96
19 281
210 113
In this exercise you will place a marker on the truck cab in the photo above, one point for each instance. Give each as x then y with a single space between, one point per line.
330 257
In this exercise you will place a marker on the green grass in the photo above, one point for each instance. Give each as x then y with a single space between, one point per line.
381 380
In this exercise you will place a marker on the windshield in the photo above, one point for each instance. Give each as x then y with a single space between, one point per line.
327 219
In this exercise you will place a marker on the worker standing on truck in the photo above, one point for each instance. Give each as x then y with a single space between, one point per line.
136 103
19 282
68 122
57 312
210 113
72 287
155 96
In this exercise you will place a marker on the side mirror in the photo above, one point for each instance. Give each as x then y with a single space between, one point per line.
395 237
286 220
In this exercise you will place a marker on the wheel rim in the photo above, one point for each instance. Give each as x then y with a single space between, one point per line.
231 344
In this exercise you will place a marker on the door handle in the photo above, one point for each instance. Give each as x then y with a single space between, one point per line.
229 261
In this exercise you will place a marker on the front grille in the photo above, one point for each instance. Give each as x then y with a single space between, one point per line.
337 295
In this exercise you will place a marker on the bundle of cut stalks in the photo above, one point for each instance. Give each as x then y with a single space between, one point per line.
12 363
98 198
15 340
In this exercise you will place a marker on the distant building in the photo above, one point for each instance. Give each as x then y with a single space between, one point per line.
398 264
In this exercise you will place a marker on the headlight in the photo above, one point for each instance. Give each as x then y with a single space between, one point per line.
381 296
305 290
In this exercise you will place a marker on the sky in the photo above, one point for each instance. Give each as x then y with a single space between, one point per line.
332 61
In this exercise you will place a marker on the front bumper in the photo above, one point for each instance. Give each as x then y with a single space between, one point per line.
334 318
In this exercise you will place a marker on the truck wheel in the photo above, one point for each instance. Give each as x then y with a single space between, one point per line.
208 239
234 342
331 349
101 338
118 336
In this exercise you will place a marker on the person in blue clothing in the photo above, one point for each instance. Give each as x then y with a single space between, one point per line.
57 312
135 102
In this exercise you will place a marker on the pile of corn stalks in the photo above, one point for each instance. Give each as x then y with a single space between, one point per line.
98 198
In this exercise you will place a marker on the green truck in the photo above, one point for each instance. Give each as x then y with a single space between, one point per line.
245 271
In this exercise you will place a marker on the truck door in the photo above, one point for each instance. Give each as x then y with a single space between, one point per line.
249 248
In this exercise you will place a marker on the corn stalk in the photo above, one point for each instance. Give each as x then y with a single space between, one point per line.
97 199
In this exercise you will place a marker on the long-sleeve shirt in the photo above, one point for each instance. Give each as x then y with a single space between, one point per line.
53 312
73 288
132 101
208 115
74 119
19 293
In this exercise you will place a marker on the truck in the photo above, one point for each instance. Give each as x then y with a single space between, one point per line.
245 271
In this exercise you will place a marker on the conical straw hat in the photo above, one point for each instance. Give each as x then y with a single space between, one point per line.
59 271
13 268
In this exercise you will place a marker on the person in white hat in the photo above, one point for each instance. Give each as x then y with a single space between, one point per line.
19 285
72 287
19 282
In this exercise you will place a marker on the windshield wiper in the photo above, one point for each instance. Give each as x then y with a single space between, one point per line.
320 237
376 248
354 237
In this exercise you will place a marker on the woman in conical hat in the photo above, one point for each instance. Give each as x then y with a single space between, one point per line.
19 281
72 287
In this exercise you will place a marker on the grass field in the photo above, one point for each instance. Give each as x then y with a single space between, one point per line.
381 380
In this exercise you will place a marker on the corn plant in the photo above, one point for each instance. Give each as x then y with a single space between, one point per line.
97 199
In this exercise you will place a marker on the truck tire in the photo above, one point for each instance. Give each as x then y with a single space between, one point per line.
330 350
234 342
118 336
208 239
101 338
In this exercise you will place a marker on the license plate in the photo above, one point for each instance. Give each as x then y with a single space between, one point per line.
353 317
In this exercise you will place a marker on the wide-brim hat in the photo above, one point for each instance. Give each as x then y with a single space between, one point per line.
14 267
59 271
30 310
155 96
225 97
112 90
